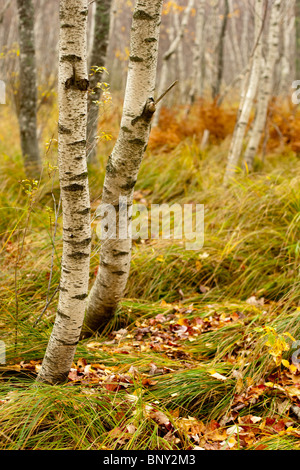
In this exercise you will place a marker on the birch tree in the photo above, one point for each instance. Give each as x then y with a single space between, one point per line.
297 17
28 90
198 54
72 94
167 56
124 162
97 61
248 95
266 85
220 53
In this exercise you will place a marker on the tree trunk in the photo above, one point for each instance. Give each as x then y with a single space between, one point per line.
266 84
248 95
198 54
220 53
72 93
98 58
28 90
297 14
236 43
168 54
124 162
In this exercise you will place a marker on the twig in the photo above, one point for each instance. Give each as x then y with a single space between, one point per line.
165 92
47 305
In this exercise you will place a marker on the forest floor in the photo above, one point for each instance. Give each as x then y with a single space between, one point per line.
202 353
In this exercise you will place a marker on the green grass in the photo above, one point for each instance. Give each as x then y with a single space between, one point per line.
251 248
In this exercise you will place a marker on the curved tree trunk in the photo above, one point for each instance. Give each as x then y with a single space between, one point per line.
72 93
97 59
246 100
28 90
265 85
124 162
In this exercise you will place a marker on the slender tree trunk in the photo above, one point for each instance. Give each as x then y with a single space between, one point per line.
3 10
168 54
198 54
297 15
247 98
288 25
98 59
220 53
124 162
245 36
72 93
266 84
28 90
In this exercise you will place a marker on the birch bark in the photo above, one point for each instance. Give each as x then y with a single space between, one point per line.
266 84
124 162
168 54
72 93
98 59
28 90
248 98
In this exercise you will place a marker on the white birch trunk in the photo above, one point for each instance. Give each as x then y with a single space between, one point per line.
163 85
124 162
246 100
72 93
266 84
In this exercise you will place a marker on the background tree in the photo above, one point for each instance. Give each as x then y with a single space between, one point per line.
124 162
168 54
97 61
72 91
248 95
198 53
297 16
266 85
28 90
220 53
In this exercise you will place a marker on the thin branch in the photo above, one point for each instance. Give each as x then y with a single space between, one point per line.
165 92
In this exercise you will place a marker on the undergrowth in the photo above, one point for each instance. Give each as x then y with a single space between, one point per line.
251 251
